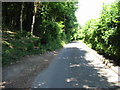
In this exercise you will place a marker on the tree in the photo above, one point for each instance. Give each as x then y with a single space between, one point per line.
21 17
103 33
36 6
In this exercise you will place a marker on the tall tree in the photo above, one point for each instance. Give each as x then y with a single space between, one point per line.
21 17
36 6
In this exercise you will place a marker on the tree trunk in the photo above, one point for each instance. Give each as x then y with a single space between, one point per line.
21 17
33 20
36 5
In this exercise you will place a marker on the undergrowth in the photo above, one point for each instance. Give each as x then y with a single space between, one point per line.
19 44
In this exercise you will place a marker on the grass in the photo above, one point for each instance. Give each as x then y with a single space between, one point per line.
16 45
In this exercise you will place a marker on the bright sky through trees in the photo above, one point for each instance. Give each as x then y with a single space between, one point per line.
89 9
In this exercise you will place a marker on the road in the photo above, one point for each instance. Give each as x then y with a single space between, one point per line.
76 67
22 74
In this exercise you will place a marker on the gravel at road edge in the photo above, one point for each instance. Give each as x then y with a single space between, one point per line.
22 74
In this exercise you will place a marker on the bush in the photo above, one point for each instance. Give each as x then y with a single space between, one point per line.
17 45
103 33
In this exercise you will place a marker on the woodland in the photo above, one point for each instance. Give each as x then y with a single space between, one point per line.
38 27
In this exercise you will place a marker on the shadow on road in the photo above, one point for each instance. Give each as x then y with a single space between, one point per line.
72 68
82 73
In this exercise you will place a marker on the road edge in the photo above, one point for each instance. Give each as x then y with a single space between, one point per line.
115 69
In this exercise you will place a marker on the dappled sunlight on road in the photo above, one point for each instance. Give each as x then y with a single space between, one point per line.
75 45
70 79
93 66
77 67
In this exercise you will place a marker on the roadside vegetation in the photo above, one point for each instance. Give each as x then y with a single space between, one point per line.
103 34
19 44
36 27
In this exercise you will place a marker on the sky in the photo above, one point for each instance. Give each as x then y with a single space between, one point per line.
89 9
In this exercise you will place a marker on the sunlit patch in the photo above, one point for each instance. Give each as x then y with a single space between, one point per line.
103 71
41 84
76 84
75 65
70 79
55 54
2 84
72 45
85 86
46 60
9 32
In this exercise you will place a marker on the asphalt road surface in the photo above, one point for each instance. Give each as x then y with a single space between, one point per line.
75 67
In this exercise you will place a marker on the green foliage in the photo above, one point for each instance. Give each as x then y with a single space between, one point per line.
55 24
103 33
16 48
22 34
